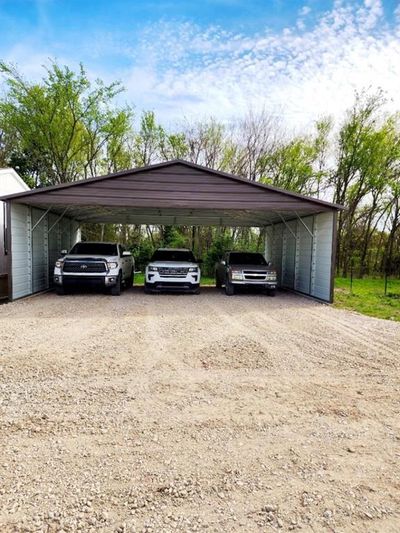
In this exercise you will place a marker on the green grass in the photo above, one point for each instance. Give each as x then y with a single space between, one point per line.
368 297
139 280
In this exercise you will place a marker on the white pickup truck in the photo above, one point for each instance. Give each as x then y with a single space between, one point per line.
173 269
105 265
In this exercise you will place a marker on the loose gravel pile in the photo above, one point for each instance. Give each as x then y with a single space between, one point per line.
197 413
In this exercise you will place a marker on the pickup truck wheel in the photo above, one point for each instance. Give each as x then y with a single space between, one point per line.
60 291
129 280
229 288
218 283
116 290
271 292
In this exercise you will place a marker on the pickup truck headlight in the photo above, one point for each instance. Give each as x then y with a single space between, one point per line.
193 269
237 275
112 265
153 269
59 263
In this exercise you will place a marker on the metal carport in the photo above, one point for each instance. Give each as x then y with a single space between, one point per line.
300 231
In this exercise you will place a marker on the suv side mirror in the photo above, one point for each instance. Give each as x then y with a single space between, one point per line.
63 252
126 254
223 262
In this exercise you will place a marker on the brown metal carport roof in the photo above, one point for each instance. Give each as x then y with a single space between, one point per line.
177 193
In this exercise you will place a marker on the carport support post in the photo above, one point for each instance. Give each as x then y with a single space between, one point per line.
268 242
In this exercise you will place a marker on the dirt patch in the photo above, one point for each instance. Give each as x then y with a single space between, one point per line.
203 413
235 352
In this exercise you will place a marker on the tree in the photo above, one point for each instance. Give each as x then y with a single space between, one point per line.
65 126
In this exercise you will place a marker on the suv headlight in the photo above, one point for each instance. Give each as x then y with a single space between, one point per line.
193 269
112 265
152 269
59 263
237 275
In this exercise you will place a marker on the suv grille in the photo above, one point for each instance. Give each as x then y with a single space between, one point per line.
84 267
173 272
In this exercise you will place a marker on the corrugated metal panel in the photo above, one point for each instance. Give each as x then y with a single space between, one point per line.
21 251
289 255
40 257
174 184
54 243
66 234
276 255
322 256
303 256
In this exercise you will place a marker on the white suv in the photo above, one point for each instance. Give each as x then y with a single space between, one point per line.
173 269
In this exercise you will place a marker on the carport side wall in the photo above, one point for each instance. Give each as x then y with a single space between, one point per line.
36 241
303 254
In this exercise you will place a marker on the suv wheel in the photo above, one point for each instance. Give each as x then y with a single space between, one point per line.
229 288
116 290
147 288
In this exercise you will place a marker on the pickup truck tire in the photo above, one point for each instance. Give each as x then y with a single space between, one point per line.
229 288
218 283
116 290
271 292
60 291
129 280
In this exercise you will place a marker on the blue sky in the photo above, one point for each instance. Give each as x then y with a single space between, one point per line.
298 60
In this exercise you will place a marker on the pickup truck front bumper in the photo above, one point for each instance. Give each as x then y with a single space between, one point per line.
246 283
64 280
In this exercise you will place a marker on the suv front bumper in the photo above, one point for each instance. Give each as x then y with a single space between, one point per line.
173 286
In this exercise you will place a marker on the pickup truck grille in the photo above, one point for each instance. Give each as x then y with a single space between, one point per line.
84 267
173 272
254 275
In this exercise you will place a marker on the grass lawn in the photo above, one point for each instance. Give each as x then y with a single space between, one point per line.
139 280
368 297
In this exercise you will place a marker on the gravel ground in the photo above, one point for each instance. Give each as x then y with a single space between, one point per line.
190 413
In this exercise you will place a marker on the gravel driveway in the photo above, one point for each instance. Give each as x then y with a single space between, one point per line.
191 413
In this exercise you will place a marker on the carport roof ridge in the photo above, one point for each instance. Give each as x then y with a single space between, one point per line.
123 173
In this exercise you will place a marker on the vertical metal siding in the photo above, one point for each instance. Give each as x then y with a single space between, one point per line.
276 250
40 252
34 252
54 240
322 256
21 251
304 255
289 255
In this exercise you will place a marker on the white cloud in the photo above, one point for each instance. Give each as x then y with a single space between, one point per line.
308 73
299 73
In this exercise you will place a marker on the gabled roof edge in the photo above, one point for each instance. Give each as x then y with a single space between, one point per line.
164 164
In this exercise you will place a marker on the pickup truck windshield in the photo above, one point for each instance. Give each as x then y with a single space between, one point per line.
94 248
243 258
173 255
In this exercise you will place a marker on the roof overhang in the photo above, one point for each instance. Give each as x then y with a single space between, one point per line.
173 193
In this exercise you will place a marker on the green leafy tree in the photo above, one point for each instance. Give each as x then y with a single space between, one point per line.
65 126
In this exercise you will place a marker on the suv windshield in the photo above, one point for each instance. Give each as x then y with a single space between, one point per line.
94 248
246 258
173 255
